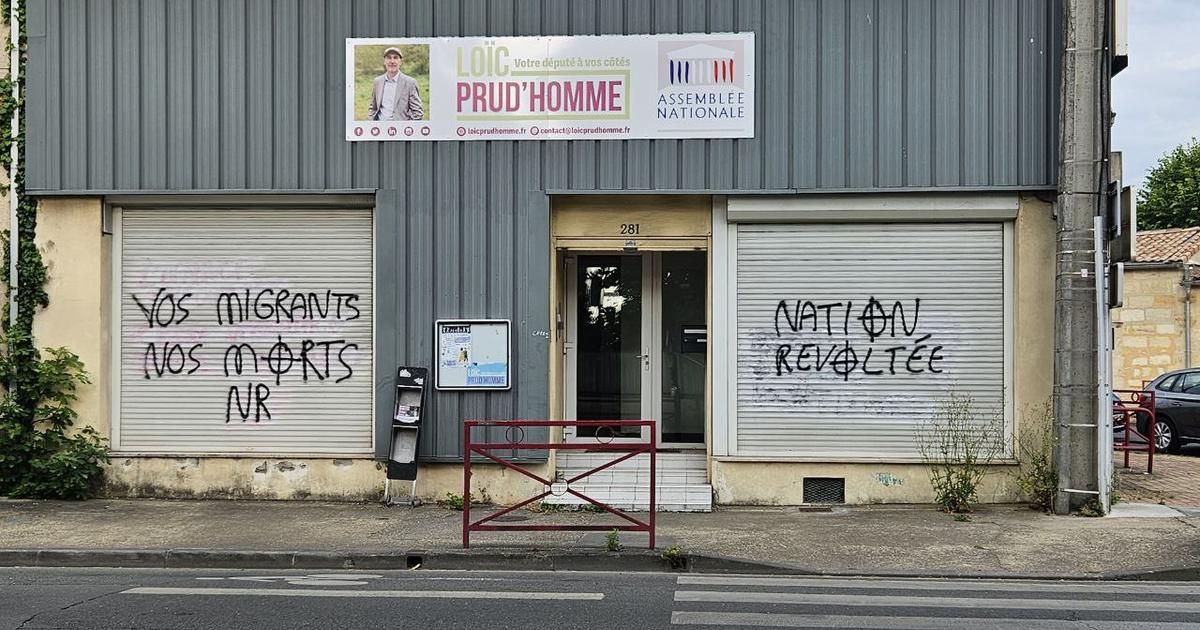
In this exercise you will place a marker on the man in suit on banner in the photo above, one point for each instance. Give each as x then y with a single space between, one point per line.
395 95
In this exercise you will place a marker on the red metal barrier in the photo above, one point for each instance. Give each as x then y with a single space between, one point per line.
1140 403
514 440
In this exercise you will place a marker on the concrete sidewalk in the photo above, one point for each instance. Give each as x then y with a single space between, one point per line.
998 541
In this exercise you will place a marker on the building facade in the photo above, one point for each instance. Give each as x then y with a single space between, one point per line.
1157 330
243 282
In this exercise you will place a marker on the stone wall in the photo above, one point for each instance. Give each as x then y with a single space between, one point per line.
1150 328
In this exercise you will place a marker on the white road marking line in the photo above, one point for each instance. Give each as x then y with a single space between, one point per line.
934 584
311 582
340 576
414 578
317 592
767 620
751 597
312 579
257 578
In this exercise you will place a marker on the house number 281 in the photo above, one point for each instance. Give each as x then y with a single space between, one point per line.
630 228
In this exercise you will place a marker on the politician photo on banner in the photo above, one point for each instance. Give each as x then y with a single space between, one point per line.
400 92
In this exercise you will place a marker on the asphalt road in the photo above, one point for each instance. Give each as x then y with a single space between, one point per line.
169 599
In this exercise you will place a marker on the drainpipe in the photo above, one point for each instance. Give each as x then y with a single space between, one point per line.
1187 315
14 71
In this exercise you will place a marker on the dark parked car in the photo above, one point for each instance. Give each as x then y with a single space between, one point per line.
1177 409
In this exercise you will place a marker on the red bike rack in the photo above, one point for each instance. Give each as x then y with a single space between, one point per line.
514 440
1140 403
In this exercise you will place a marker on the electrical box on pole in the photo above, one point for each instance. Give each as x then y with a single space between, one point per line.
1116 285
1122 223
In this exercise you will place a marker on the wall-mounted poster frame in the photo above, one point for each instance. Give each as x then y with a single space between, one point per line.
473 354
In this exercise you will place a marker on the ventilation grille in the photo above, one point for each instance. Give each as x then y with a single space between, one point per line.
824 490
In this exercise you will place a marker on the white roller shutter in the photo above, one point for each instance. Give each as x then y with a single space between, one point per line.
823 385
290 288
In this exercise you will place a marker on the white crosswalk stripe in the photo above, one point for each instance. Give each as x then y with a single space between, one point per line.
903 604
941 584
376 594
763 620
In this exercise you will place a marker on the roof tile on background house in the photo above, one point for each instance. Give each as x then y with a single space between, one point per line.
1172 245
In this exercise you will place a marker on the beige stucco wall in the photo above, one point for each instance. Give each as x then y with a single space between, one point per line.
1033 344
306 478
77 259
246 478
781 483
1150 327
488 482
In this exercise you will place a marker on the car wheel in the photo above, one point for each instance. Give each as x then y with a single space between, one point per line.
1165 437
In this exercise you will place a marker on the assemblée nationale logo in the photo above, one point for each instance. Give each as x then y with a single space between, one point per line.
701 80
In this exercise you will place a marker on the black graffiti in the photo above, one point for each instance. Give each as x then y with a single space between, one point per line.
275 357
158 314
256 402
349 370
314 360
875 319
240 352
173 359
805 312
843 359
281 305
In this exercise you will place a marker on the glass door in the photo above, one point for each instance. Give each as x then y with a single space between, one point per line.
636 344
607 354
682 343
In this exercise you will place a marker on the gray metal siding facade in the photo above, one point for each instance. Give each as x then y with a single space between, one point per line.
246 95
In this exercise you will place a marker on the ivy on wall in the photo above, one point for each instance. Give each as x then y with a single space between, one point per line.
40 455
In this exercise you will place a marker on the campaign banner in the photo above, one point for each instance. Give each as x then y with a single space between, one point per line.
601 87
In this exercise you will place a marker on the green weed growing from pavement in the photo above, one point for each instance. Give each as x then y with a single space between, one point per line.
1038 475
675 557
958 444
612 541
1114 488
1093 508
453 502
547 508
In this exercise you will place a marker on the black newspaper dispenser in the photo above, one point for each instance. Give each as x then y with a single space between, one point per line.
406 427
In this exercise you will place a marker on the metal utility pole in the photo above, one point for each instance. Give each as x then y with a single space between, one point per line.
1081 184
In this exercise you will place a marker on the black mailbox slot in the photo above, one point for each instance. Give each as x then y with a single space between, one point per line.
694 338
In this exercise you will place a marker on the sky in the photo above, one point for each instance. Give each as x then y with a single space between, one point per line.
1157 98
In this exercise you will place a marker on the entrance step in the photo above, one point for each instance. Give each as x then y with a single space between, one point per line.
671 498
682 480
